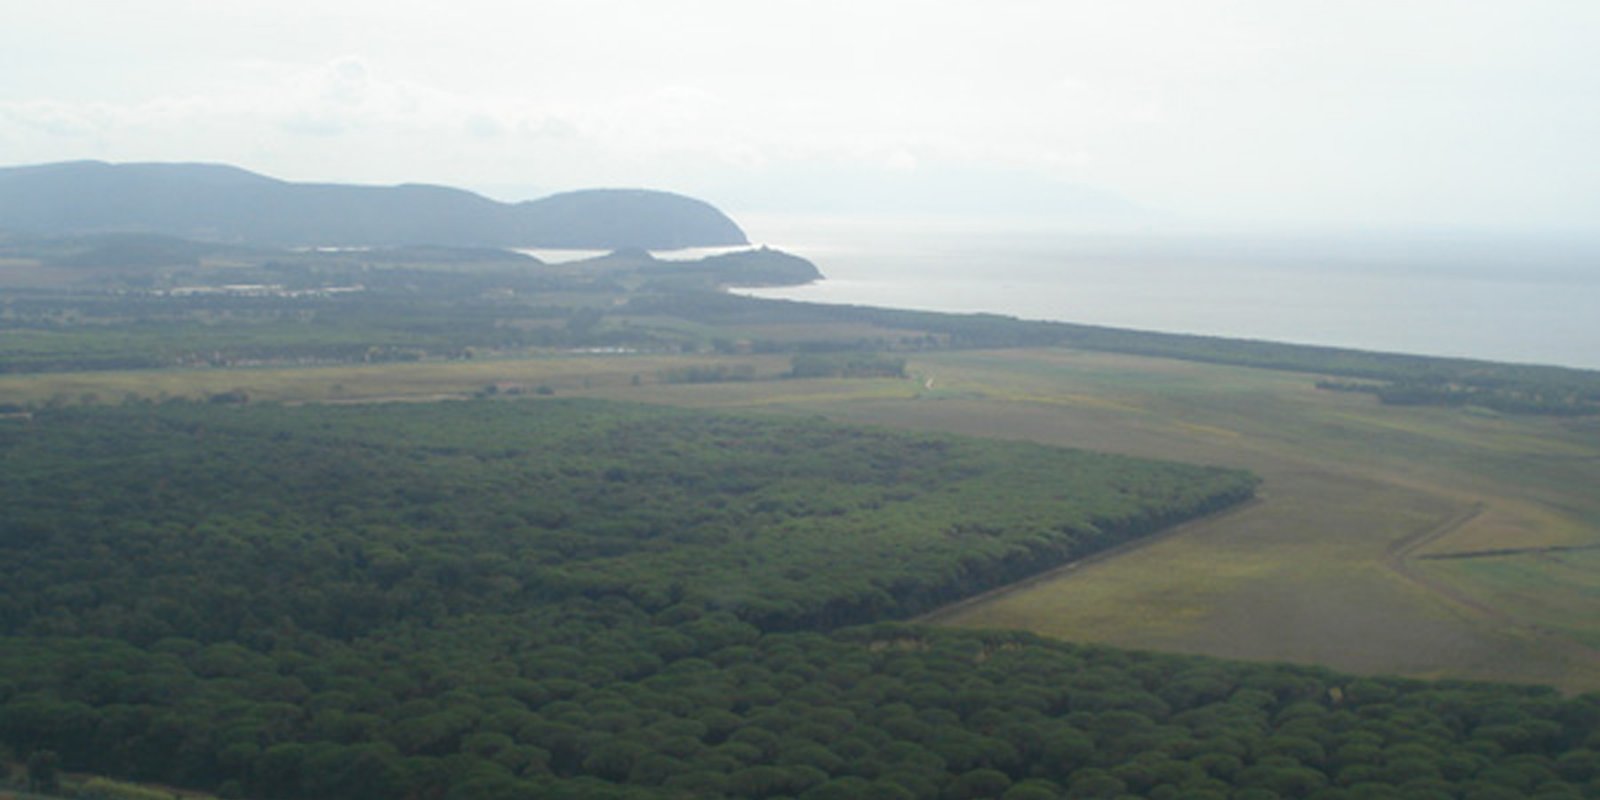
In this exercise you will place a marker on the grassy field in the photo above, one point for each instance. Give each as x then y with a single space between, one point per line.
560 373
1326 568
1322 570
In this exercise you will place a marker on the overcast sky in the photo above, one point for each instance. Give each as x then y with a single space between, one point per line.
1444 113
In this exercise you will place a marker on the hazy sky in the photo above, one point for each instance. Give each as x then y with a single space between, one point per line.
1442 113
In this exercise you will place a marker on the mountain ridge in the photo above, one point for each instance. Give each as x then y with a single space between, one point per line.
221 202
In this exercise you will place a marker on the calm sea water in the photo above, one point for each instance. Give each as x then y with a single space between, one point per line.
1533 300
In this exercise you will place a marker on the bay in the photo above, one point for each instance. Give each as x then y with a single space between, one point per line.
1527 299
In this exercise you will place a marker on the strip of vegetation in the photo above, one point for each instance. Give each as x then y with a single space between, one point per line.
847 365
1500 552
709 373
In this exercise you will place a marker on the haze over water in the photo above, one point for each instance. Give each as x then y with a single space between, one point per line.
1502 298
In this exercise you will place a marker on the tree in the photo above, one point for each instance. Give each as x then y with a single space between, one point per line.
44 772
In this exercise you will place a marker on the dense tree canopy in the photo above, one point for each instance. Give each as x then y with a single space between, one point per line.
495 599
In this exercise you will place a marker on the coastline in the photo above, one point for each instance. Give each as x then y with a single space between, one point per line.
1447 300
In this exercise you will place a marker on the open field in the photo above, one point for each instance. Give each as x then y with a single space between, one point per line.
1324 569
563 373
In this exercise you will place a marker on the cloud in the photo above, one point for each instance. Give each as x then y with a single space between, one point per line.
345 81
484 126
901 160
57 119
1364 111
330 99
283 111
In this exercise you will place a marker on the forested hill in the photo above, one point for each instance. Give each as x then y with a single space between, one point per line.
224 203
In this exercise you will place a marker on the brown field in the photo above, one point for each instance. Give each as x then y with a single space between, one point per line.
23 272
428 380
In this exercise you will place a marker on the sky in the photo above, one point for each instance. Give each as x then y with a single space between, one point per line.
1440 114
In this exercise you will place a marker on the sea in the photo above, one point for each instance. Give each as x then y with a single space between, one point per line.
1514 298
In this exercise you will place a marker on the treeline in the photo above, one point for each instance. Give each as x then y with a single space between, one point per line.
1511 397
709 373
847 365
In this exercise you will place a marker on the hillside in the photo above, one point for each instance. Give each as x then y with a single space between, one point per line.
224 203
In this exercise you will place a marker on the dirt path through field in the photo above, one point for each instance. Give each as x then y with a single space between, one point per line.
1398 560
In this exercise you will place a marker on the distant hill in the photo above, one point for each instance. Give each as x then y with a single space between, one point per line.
743 268
222 203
